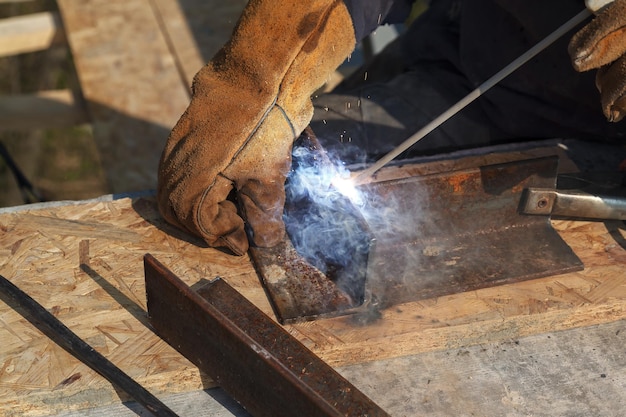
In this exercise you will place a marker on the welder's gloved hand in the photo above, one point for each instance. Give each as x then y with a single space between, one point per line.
601 44
248 105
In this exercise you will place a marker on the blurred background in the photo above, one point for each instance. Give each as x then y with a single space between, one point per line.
74 142
62 163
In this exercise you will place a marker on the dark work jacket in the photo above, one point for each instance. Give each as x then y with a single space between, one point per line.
477 38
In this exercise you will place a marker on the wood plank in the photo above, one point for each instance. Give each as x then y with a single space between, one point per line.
30 33
84 262
578 372
197 30
181 40
44 109
129 78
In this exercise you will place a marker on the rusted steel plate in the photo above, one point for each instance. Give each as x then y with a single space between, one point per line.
278 265
448 233
250 356
468 233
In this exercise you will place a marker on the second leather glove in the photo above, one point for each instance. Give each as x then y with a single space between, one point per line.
602 44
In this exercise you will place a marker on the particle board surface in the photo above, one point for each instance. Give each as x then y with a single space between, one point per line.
84 263
576 372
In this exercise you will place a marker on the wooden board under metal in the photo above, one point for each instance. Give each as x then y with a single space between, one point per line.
84 263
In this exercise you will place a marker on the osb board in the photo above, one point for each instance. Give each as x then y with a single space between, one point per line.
84 263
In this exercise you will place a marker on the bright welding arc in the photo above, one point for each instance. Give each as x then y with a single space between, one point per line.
347 187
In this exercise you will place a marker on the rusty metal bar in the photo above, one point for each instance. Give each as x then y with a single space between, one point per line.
256 361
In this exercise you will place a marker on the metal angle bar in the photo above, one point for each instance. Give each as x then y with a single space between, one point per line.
449 232
263 367
52 327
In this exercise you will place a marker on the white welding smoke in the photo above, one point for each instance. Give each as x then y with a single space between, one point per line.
336 225
323 224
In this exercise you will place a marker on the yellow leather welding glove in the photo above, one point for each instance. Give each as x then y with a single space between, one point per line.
601 44
248 105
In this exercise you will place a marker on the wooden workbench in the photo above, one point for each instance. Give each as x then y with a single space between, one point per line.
83 261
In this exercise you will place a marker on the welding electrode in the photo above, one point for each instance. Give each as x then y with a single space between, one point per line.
362 176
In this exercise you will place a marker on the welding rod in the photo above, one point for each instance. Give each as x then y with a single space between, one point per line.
360 177
52 327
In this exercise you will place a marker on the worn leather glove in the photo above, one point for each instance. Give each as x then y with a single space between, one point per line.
248 105
602 44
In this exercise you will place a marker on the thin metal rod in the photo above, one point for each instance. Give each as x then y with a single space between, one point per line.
52 327
362 176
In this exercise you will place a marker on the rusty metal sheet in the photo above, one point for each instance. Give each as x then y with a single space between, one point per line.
249 355
469 234
297 288
451 232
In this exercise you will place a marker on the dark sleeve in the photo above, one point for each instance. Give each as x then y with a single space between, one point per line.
539 18
367 15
